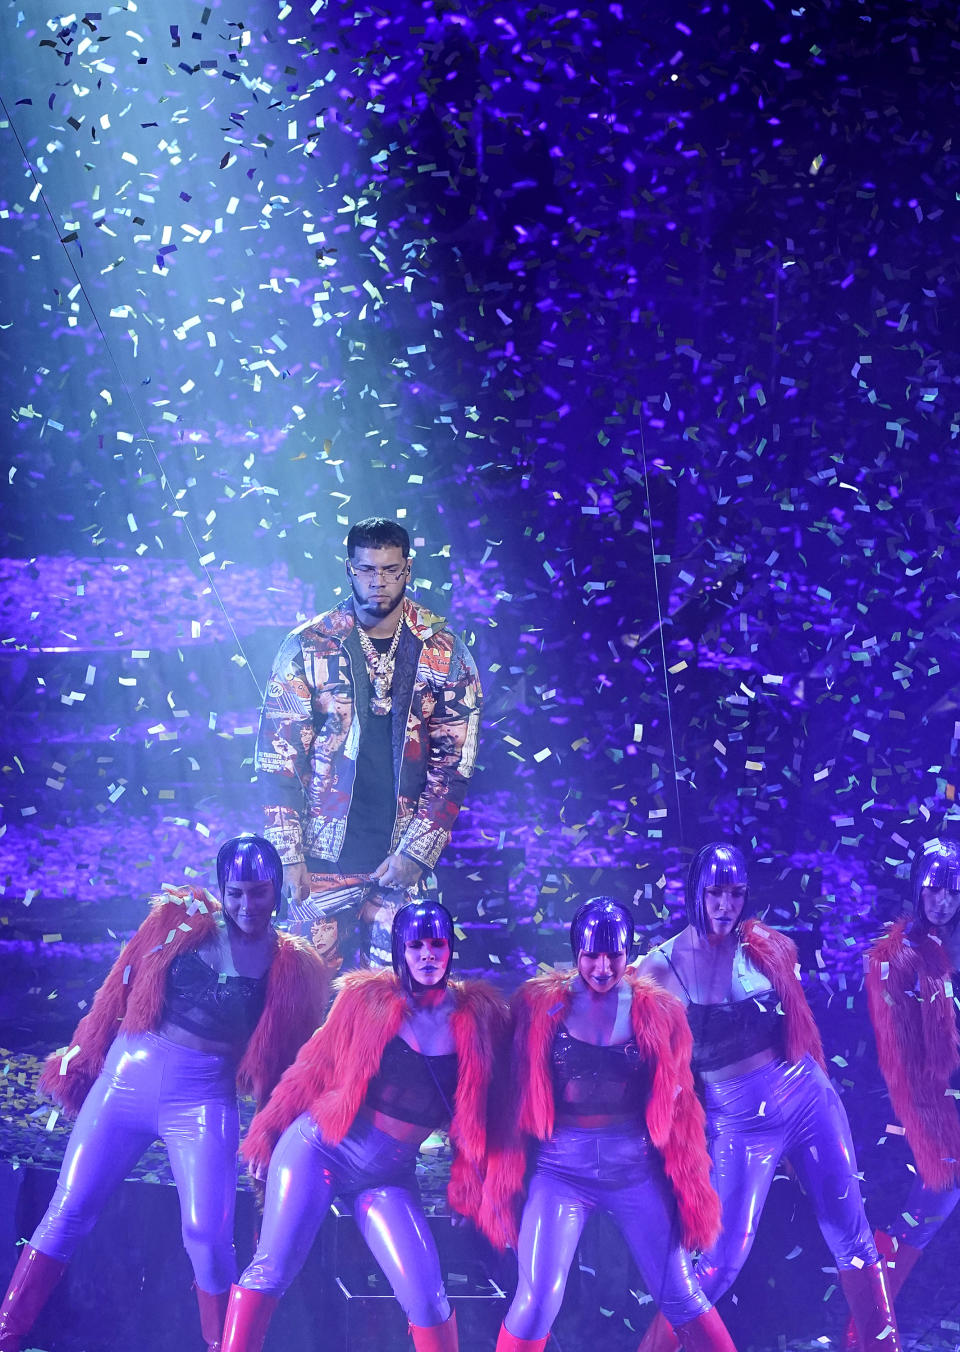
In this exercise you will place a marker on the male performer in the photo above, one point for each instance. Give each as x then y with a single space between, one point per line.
368 735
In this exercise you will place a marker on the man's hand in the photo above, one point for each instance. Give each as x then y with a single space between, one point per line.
297 878
397 870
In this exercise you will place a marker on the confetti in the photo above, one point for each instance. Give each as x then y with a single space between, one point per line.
642 324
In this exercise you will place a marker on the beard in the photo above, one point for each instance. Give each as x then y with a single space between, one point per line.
379 607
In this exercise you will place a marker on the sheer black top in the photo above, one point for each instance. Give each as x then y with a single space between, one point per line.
593 1081
413 1087
734 1029
211 1005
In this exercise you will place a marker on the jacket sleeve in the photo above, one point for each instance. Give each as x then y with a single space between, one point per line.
686 1159
507 1141
480 1028
284 739
70 1072
453 731
332 1070
298 1086
297 992
775 955
915 1033
675 1117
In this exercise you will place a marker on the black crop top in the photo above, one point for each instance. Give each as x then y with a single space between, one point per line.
735 1030
210 1005
413 1087
592 1081
732 1030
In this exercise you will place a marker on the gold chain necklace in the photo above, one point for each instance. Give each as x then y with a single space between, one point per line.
380 669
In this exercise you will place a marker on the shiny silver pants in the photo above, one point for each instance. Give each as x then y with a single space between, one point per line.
611 1169
151 1088
377 1174
924 1214
754 1121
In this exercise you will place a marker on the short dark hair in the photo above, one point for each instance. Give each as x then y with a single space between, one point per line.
601 925
936 865
377 532
716 864
249 857
420 919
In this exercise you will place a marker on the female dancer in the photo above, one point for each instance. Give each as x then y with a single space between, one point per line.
757 1051
602 1088
400 1053
910 977
206 998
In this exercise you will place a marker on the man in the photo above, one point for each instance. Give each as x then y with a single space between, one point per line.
368 736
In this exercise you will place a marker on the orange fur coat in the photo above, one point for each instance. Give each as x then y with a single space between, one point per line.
673 1118
911 1007
330 1076
775 955
131 1000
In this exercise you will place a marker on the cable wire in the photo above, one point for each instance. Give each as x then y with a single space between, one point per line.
660 627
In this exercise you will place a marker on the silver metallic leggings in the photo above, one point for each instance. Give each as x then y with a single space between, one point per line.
924 1214
377 1173
754 1121
150 1087
612 1169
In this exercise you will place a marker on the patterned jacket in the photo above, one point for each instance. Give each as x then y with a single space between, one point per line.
310 728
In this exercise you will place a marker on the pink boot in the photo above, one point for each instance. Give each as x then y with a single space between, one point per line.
34 1277
660 1336
248 1316
899 1259
506 1342
213 1311
706 1333
436 1337
866 1293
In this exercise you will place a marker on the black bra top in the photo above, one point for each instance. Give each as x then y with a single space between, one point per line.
413 1087
210 1005
733 1031
591 1080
